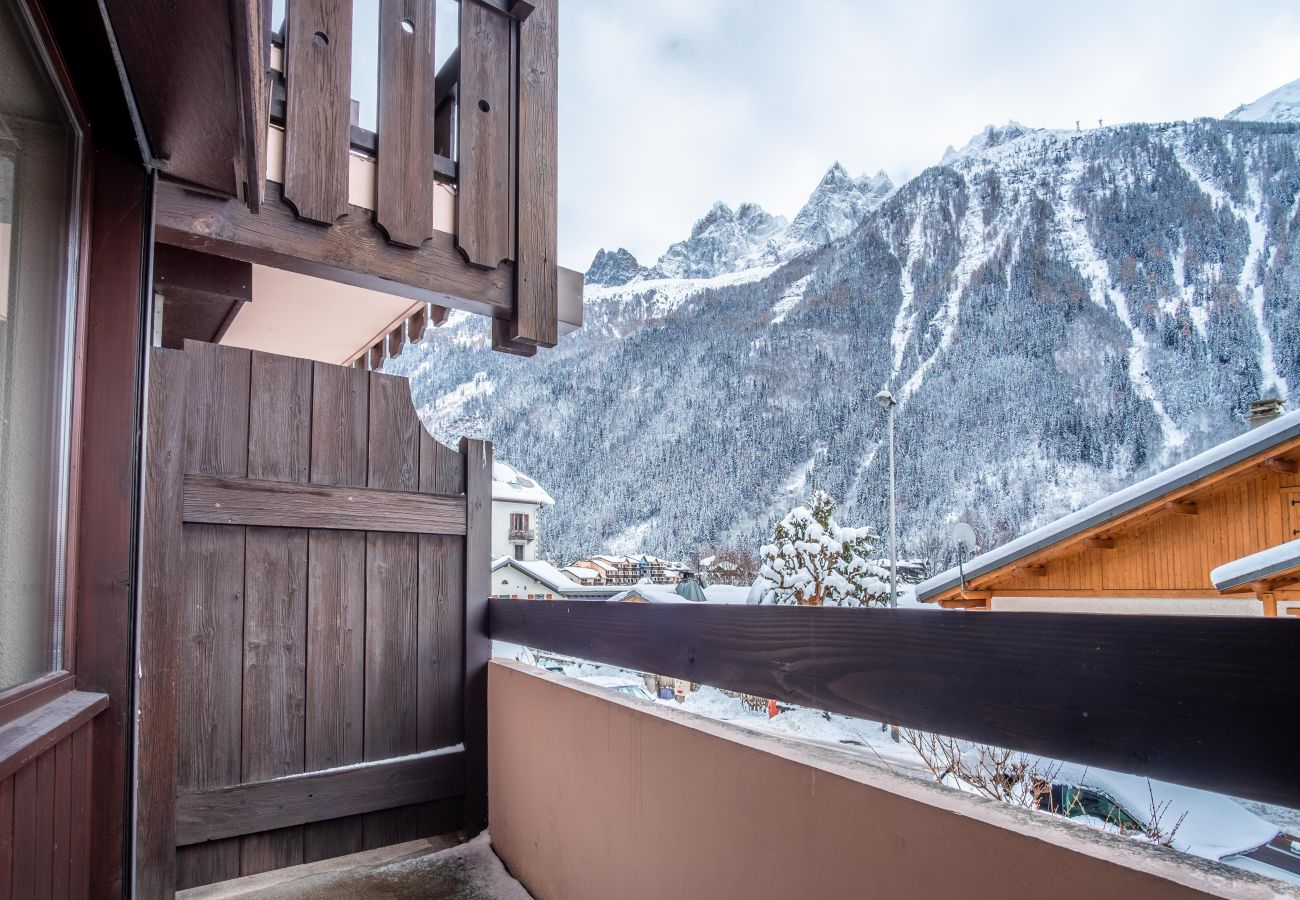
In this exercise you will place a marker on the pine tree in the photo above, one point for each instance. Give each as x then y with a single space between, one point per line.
814 561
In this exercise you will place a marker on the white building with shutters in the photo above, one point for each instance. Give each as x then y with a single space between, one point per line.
517 503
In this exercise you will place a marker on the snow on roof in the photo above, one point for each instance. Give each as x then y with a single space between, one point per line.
580 572
546 573
509 484
652 593
1257 566
1244 446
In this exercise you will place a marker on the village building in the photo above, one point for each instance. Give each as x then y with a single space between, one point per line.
517 504
632 569
539 580
1208 536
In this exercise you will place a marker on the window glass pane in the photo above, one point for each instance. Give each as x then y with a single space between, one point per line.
38 161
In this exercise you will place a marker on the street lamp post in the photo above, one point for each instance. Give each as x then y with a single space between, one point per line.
889 404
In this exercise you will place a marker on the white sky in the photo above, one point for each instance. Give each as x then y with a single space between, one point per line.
668 105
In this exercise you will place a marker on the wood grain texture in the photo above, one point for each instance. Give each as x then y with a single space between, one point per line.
478 643
23 877
318 86
536 318
163 557
404 188
485 175
1164 696
232 501
336 613
353 251
83 761
6 838
275 601
61 847
212 635
315 797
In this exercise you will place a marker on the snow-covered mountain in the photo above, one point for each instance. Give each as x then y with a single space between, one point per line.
1057 311
1281 105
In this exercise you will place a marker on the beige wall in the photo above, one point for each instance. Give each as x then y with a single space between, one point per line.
597 797
1172 606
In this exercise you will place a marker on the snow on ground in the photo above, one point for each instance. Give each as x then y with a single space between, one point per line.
447 407
726 593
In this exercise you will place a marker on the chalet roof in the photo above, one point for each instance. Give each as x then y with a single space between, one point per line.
1257 567
508 483
547 574
1244 446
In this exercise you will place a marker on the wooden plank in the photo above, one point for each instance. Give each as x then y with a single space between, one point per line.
43 813
6 838
317 796
26 738
163 556
483 214
404 188
317 128
352 252
244 501
23 878
61 846
336 614
82 767
478 644
441 647
211 685
392 579
501 340
1168 697
275 601
536 318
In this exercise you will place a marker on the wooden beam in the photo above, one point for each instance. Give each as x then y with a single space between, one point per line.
202 293
353 251
502 341
279 504
1281 465
536 318
316 796
1099 543
965 602
1269 601
1038 570
478 642
1198 700
160 622
1181 507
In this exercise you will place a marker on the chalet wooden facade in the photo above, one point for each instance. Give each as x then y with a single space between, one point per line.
231 544
1155 546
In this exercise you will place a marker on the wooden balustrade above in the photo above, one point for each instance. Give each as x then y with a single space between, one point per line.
450 201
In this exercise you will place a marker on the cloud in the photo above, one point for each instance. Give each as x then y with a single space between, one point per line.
668 105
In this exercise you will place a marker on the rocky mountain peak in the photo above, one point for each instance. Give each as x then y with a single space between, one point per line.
990 136
613 268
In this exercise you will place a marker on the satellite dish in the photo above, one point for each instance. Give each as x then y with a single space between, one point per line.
964 537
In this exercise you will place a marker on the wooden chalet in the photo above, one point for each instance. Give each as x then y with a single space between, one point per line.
1155 547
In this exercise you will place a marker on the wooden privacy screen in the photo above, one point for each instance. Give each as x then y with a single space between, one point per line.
303 610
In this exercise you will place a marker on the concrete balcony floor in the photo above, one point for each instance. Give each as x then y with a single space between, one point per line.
431 869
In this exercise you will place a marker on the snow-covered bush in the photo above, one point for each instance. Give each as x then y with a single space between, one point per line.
814 561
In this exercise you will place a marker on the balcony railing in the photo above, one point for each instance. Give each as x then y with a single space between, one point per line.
523 534
1200 701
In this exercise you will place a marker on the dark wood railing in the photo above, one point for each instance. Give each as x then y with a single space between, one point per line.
1206 702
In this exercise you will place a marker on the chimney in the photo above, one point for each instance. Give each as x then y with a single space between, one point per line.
1262 411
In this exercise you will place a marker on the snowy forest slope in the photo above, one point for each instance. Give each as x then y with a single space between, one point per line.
1058 313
